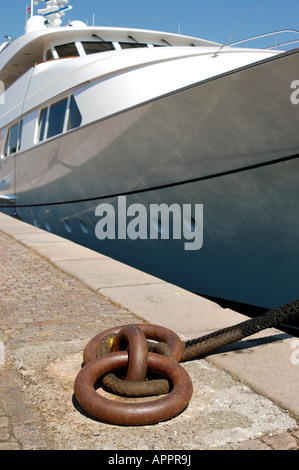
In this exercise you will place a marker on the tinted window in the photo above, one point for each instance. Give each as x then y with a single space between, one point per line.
6 150
42 124
14 138
93 47
75 117
20 135
56 118
3 142
49 55
13 141
4 138
67 50
130 45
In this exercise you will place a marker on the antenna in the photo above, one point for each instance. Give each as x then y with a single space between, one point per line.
54 10
241 24
33 2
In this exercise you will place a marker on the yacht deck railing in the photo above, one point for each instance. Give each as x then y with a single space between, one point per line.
275 34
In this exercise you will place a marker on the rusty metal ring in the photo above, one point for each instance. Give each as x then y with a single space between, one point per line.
146 388
136 339
153 332
129 414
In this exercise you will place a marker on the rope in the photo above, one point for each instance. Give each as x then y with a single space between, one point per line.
176 386
270 319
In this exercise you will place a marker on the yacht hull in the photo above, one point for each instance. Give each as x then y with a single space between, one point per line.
230 144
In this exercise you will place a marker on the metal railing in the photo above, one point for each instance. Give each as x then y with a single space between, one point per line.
275 34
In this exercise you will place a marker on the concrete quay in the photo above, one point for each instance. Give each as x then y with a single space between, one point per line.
55 296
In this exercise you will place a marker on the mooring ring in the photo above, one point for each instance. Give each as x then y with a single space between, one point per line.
153 332
129 414
146 388
136 339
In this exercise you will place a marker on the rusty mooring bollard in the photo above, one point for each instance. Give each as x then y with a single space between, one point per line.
138 362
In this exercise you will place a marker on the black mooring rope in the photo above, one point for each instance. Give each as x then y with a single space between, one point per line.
270 319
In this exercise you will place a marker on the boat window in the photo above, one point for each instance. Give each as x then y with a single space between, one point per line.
20 135
91 47
6 149
3 141
42 124
75 117
67 50
52 118
49 55
13 140
56 118
15 137
131 45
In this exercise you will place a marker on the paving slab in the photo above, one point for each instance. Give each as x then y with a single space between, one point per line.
54 299
105 272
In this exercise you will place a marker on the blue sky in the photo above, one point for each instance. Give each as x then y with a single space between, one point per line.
213 19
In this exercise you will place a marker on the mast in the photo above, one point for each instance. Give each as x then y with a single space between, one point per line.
53 11
47 17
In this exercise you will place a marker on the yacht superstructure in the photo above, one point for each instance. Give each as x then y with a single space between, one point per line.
90 115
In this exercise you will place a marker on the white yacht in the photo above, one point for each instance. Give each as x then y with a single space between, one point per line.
101 115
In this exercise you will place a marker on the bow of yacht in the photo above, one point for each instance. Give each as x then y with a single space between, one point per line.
127 117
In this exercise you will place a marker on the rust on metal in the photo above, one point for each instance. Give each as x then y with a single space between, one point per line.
146 388
129 414
153 332
135 338
102 357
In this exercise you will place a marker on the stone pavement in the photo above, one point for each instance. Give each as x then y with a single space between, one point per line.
47 316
